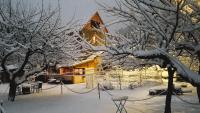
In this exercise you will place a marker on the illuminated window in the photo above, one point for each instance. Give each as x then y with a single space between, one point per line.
79 71
94 39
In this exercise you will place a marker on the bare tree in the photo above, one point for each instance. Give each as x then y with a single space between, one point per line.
158 26
32 37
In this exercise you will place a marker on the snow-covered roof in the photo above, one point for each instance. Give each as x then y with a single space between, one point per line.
95 17
62 65
10 67
90 58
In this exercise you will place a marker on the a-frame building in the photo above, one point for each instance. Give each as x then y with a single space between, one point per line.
84 71
95 30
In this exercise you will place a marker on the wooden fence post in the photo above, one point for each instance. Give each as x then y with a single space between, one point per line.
99 91
61 87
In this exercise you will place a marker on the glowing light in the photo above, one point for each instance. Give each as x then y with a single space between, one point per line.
93 39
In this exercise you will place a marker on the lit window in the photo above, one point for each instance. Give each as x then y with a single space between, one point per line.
94 39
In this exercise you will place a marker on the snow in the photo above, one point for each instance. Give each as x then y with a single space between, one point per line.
52 101
10 67
41 38
90 58
185 72
182 70
149 53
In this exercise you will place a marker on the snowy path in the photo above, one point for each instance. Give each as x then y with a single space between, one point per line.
51 101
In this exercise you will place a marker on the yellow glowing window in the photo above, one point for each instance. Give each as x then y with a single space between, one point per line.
94 39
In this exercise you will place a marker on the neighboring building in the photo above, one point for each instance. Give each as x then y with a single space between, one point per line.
84 71
94 31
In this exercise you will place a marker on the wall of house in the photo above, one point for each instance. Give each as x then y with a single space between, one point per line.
88 34
78 79
90 71
88 76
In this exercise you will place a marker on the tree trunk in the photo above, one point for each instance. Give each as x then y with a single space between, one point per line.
12 90
198 87
169 90
198 92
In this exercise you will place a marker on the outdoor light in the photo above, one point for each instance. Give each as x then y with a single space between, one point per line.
93 39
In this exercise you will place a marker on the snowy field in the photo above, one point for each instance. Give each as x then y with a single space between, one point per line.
52 101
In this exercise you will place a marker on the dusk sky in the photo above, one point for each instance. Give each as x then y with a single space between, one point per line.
82 10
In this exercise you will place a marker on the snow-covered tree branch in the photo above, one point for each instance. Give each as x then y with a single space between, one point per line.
31 38
163 29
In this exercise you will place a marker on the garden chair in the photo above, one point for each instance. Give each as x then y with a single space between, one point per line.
120 103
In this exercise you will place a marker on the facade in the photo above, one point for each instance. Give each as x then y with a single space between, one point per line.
94 31
83 71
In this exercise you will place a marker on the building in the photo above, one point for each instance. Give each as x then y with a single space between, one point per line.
84 71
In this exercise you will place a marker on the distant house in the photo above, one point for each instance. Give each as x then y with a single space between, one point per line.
94 31
82 71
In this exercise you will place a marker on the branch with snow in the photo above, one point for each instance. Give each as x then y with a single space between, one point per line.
182 70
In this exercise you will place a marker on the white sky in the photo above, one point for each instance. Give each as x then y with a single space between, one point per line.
81 9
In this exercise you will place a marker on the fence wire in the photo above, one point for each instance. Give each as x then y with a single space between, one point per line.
109 93
51 87
148 98
70 89
185 100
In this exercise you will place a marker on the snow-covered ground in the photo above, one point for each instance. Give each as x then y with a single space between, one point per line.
52 101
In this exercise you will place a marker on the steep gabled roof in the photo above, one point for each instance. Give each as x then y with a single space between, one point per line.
96 17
